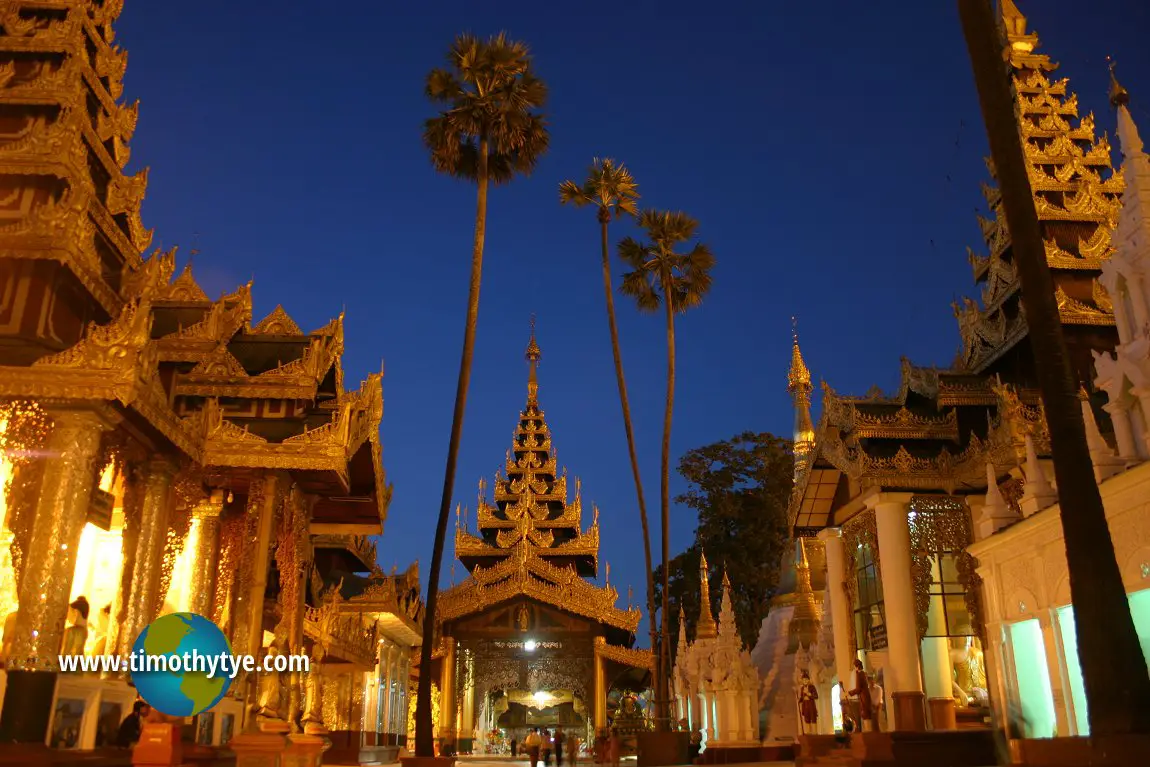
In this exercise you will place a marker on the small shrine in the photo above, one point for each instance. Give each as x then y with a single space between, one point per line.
715 682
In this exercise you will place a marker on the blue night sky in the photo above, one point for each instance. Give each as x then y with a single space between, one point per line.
831 151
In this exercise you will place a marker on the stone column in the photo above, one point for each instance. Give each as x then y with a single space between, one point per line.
1052 641
903 678
205 533
61 512
1123 433
840 609
600 691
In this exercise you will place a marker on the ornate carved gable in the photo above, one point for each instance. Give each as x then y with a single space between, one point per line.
278 323
184 289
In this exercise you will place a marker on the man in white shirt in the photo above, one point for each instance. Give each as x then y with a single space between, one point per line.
877 702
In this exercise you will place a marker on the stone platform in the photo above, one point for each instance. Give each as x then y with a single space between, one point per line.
962 748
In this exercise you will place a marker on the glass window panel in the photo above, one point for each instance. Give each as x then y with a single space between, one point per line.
949 569
936 617
957 616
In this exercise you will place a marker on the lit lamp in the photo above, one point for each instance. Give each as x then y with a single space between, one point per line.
530 646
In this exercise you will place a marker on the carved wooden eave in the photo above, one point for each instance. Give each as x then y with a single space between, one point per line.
635 658
62 231
1004 447
343 635
111 363
509 490
904 424
1001 283
526 574
1052 125
468 545
1073 312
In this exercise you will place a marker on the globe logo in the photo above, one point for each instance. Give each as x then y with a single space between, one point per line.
183 692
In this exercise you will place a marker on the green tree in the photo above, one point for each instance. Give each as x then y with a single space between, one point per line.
612 190
739 488
488 131
660 276
1113 667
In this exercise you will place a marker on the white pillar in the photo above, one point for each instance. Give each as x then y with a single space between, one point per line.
840 609
708 705
903 677
1123 434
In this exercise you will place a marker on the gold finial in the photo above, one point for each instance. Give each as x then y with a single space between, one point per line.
1119 96
533 355
799 377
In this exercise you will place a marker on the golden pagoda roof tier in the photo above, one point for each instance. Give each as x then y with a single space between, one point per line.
1077 199
531 493
896 462
119 363
526 574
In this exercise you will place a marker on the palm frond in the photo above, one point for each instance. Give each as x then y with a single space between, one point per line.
571 193
634 253
489 94
640 285
682 278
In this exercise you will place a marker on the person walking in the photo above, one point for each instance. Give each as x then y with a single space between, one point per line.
614 746
533 742
558 746
573 749
514 746
546 746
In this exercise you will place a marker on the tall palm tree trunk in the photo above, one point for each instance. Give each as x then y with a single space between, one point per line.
1113 667
604 218
665 503
424 745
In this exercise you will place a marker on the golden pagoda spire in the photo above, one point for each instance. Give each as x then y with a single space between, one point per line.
533 355
1119 96
706 627
799 385
799 377
1131 142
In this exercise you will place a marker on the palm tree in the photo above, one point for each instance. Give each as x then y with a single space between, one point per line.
613 191
488 130
1113 666
677 281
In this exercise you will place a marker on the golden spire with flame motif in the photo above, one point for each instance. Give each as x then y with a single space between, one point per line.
706 627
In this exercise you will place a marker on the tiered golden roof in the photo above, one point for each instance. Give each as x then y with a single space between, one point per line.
101 326
531 542
531 502
1076 195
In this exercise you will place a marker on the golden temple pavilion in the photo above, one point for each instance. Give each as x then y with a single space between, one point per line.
933 505
526 640
163 451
